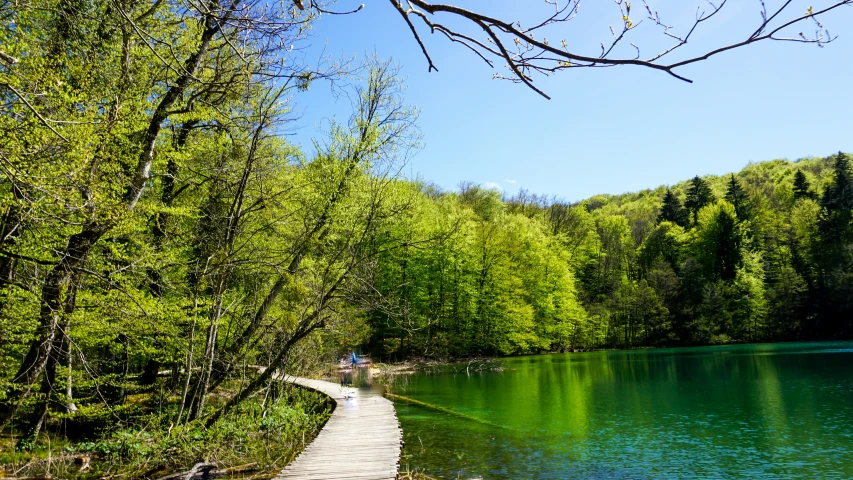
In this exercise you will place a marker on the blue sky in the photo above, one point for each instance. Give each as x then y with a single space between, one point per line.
606 130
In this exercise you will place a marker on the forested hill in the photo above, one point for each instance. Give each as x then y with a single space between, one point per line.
760 255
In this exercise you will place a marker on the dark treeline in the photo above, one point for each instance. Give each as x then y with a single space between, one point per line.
762 255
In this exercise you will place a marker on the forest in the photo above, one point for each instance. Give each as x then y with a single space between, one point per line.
161 241
166 252
761 255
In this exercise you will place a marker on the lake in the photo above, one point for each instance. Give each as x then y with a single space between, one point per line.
758 411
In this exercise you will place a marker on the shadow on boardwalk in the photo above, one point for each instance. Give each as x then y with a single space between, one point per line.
361 440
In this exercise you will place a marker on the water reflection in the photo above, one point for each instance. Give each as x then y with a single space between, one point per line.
767 411
356 376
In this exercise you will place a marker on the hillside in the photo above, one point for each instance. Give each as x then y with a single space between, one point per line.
732 258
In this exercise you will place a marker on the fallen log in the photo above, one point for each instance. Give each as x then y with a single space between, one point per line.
205 471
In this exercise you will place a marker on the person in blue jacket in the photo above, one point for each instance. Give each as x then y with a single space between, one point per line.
354 359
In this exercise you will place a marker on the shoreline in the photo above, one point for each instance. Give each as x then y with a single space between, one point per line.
416 364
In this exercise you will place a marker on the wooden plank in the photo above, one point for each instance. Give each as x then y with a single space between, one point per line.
361 440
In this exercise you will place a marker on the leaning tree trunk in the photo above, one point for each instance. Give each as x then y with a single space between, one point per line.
59 281
59 350
307 325
225 363
265 376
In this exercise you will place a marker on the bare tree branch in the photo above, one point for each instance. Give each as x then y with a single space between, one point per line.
535 55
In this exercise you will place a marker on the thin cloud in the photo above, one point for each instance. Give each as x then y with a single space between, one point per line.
493 186
510 181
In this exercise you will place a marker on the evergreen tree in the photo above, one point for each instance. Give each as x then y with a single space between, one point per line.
837 201
672 210
720 241
736 195
728 252
699 194
839 195
801 186
832 253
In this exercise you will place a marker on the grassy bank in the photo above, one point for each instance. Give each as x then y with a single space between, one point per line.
141 441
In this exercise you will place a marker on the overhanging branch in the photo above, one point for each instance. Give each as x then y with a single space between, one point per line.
532 55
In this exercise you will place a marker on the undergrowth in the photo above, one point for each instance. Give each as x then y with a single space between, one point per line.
143 442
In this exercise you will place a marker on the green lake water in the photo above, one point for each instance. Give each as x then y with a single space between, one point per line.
758 411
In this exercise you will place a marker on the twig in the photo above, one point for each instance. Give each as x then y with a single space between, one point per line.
33 109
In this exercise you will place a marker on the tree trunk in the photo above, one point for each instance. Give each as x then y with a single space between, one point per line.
267 374
60 278
60 346
225 362
9 232
70 407
306 326
189 368
202 387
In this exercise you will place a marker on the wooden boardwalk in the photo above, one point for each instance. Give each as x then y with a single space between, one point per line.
361 440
